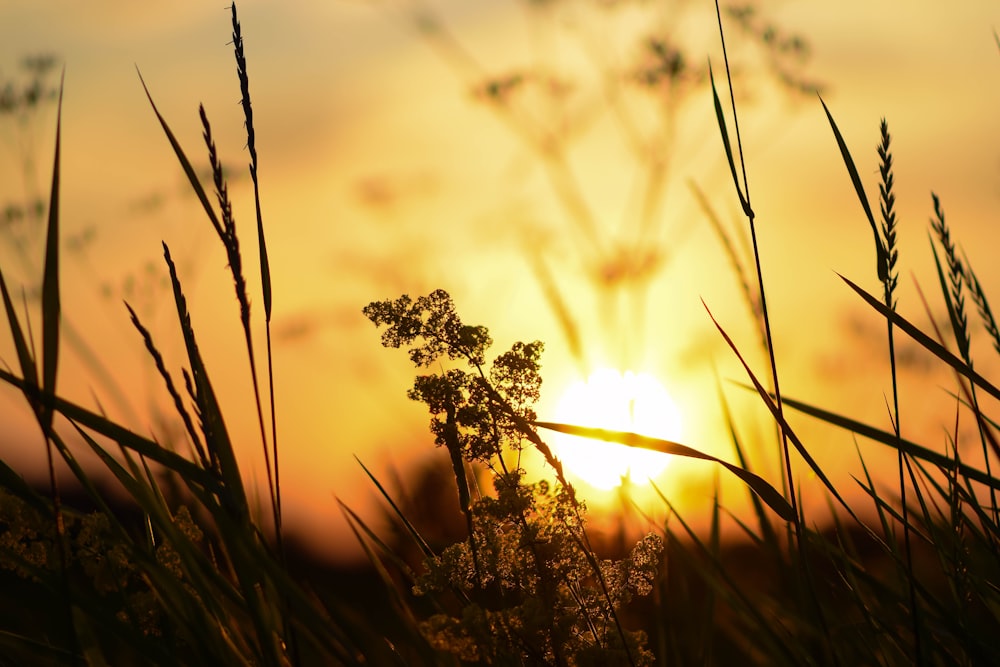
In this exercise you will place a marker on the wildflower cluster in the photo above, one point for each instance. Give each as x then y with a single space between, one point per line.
26 537
107 564
525 587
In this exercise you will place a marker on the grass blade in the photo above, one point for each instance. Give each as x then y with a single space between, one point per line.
909 448
882 258
776 413
399 604
414 533
29 372
878 507
762 488
926 341
265 276
720 116
189 171
50 286
766 529
126 438
217 439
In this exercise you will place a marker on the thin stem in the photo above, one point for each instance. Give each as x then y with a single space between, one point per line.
274 434
786 458
748 209
903 461
887 201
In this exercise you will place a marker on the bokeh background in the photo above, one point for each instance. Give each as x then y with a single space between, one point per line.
397 156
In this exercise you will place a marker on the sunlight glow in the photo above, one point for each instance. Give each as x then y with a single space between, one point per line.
609 399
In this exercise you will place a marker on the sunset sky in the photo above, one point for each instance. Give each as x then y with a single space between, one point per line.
381 174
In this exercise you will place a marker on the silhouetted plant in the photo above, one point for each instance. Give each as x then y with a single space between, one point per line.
525 586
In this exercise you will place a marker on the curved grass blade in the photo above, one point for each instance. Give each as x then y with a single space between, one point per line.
400 605
414 533
878 508
720 116
121 435
185 163
13 483
882 258
29 385
766 529
884 507
370 537
776 413
888 438
217 439
926 341
762 488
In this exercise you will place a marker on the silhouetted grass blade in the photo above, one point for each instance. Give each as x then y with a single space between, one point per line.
766 529
265 268
13 483
50 286
767 493
119 434
217 439
888 438
368 537
399 603
724 585
926 341
189 171
418 539
882 255
729 148
780 418
29 371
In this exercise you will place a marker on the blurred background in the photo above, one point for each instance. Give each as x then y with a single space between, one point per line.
554 165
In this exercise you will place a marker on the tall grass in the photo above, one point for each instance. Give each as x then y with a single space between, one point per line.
900 591
199 577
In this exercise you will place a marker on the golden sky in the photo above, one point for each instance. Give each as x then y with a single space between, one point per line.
381 174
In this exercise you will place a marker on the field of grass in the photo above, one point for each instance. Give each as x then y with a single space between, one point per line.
195 569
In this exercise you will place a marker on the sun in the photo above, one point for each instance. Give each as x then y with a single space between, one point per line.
618 401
